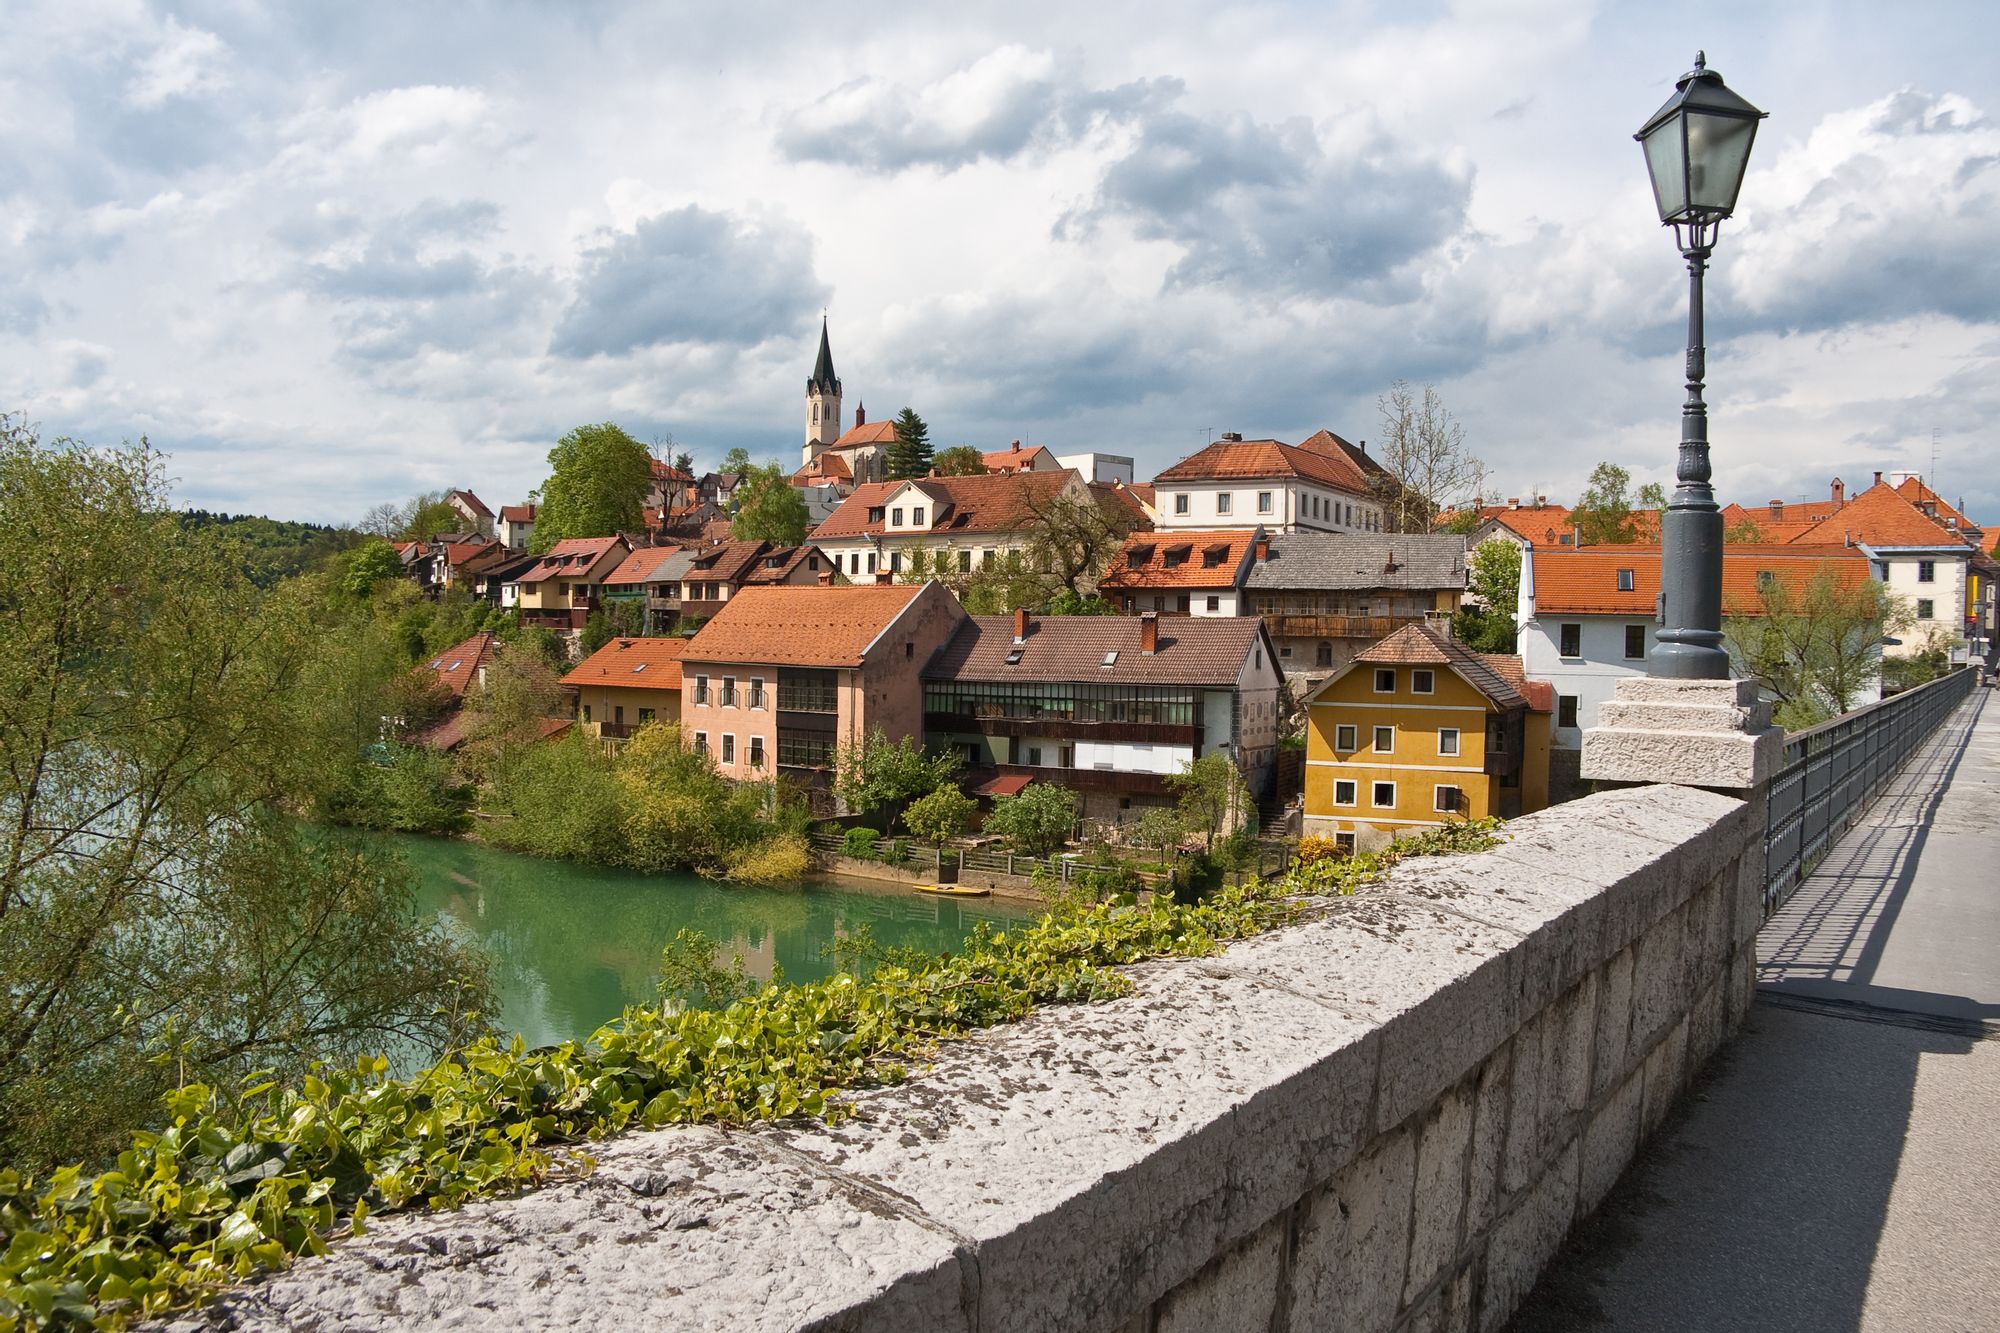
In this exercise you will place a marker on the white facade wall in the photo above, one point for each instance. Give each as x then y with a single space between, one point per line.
1945 592
1292 507
1169 601
1592 675
1101 468
1127 757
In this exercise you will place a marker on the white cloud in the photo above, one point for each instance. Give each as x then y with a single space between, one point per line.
187 62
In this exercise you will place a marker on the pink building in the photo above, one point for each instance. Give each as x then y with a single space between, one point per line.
781 677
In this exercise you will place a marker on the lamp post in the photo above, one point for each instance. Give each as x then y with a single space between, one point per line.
1697 147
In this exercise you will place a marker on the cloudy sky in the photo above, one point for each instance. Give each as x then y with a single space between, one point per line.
326 255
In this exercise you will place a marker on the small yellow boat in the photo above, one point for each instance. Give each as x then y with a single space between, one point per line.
953 890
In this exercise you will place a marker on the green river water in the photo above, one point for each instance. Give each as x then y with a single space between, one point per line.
572 944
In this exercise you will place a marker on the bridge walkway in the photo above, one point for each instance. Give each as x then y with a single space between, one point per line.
1838 1168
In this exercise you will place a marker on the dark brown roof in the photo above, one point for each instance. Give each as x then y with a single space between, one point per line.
458 665
1421 645
1193 650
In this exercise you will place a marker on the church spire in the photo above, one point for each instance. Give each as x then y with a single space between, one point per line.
823 379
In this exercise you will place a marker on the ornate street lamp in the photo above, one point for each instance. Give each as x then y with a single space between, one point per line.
1697 147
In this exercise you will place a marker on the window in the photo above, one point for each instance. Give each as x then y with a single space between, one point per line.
1423 682
1180 504
1383 796
1345 792
1925 608
756 752
1765 579
853 562
701 689
586 712
871 562
1566 710
1214 604
895 562
1263 502
895 518
1927 571
1035 756
1344 843
875 513
1223 500
1346 737
1448 740
965 562
728 747
729 691
645 716
756 692
1181 603
1385 740
1625 582
1572 640
1385 680
1325 654
701 742
1447 798
1635 641
917 517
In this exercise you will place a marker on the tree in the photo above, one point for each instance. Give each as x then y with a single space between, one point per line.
736 461
384 520
910 455
504 719
1160 830
1071 540
1603 513
940 816
684 462
598 479
880 774
163 915
364 568
1494 573
425 516
1424 450
961 460
770 509
1036 822
1814 644
1067 603
1746 533
1003 584
1214 798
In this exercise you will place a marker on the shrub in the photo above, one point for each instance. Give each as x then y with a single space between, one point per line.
1316 847
785 859
1036 822
860 843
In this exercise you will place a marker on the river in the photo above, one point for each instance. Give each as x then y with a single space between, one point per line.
572 945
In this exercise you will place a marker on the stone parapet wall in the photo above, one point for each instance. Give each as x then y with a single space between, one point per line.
1385 1117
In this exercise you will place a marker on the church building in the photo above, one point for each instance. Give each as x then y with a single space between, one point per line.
860 455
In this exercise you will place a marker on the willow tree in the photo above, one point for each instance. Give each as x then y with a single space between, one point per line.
164 917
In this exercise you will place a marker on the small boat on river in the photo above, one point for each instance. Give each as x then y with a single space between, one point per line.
953 891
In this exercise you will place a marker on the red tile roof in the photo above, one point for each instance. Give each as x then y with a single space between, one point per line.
995 502
872 432
1918 494
457 554
517 513
634 664
1250 460
1015 459
1179 560
576 557
809 626
827 467
458 666
1881 517
1585 582
638 567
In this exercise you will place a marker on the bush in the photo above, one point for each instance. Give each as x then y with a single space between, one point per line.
1038 821
416 792
899 852
860 843
1317 847
565 802
783 860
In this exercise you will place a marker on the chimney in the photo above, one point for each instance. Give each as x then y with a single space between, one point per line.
1232 437
1263 549
826 578
884 576
1878 478
1017 447
1149 633
1839 491
1777 511
1020 624
1513 502
1541 500
1363 446
860 414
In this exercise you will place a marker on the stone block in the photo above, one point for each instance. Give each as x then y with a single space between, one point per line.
1624 713
685 1228
1353 1244
1446 1310
1665 1070
1522 1157
1552 1087
1094 1154
1609 1061
1708 1024
1492 1100
1739 694
1742 984
1609 1141
1438 1208
1747 895
1239 1291
1730 760
1659 997
1523 1242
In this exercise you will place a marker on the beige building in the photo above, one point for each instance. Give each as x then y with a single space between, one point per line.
626 684
970 521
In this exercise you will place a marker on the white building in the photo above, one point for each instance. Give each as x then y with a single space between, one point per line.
1321 485
1104 469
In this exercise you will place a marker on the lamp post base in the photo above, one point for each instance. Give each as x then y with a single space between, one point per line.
1688 733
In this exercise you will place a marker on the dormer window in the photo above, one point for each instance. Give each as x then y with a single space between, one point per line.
1175 556
875 513
1626 581
1137 557
1212 556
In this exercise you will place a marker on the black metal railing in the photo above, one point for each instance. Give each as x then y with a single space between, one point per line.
1831 773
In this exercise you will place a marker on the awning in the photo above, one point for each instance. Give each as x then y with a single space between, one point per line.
1006 784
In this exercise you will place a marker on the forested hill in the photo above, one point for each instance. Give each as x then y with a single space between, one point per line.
274 548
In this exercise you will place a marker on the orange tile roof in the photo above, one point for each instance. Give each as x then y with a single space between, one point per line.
994 502
574 558
1258 459
632 664
1914 490
872 432
828 467
458 666
1179 560
1015 459
801 626
638 567
1881 517
1585 582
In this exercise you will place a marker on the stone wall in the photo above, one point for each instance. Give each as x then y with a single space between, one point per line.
1385 1117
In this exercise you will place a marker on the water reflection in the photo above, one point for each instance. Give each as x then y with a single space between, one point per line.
573 945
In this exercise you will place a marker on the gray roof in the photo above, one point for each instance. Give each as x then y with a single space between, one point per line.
1192 650
1356 560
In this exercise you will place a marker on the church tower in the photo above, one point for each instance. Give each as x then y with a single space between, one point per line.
822 400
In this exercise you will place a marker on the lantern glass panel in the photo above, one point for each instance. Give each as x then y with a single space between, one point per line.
1664 163
1718 155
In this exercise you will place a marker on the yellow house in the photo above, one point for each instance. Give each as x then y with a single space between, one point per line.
626 684
1419 730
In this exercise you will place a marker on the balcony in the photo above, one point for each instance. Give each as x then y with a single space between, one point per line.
561 617
1062 728
1285 626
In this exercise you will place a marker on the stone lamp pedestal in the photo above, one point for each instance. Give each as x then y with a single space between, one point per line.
1690 733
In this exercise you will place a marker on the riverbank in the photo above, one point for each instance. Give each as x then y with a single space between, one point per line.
1013 888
